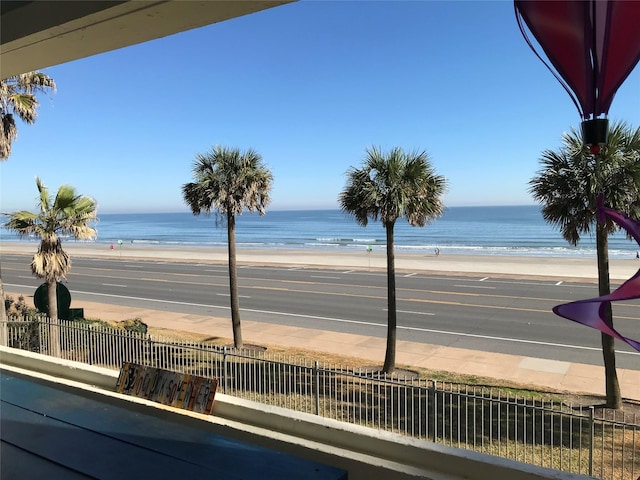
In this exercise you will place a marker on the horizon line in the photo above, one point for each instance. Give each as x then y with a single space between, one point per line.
309 209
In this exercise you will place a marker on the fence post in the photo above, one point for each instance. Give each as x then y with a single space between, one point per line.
150 358
316 376
591 435
435 409
224 369
89 344
4 330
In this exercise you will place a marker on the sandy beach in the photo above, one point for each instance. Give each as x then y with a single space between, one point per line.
483 265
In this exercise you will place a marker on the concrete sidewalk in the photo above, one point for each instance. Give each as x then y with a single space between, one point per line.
551 374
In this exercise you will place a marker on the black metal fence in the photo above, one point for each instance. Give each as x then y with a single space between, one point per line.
550 433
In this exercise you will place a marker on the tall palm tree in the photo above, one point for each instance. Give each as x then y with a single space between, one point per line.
568 186
18 98
67 214
228 182
390 186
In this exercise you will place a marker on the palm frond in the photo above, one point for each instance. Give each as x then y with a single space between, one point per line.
34 82
392 185
25 106
227 180
570 180
18 98
65 197
24 223
51 262
43 196
8 133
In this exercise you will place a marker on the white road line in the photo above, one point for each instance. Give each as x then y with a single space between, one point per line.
483 279
349 271
172 302
590 287
128 265
559 283
324 276
384 325
474 286
410 275
114 285
228 295
514 340
409 311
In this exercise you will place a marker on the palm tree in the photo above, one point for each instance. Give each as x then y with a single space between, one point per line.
229 181
67 214
568 186
390 186
18 98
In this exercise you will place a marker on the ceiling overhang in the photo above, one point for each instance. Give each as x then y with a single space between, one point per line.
39 34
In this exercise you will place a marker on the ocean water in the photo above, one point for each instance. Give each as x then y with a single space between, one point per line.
498 230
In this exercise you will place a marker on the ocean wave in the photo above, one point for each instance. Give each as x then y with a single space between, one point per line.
346 240
483 250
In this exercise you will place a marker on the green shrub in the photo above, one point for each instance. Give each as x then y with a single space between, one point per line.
92 322
133 325
19 310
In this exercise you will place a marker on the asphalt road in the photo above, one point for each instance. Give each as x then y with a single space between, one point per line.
510 316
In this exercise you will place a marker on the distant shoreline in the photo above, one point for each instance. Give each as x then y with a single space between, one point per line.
476 265
327 248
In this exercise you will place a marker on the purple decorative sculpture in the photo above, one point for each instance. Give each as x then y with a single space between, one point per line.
591 312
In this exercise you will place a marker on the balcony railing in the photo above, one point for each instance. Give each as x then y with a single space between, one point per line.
549 433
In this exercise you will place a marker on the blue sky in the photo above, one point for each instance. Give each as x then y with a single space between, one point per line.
310 86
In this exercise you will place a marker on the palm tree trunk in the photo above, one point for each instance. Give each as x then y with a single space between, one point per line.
4 328
54 323
614 398
233 281
390 355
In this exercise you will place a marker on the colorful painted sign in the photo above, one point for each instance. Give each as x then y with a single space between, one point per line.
180 390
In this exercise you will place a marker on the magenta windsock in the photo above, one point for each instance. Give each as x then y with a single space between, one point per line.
591 312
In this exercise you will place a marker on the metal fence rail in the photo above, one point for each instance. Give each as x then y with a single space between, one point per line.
602 443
